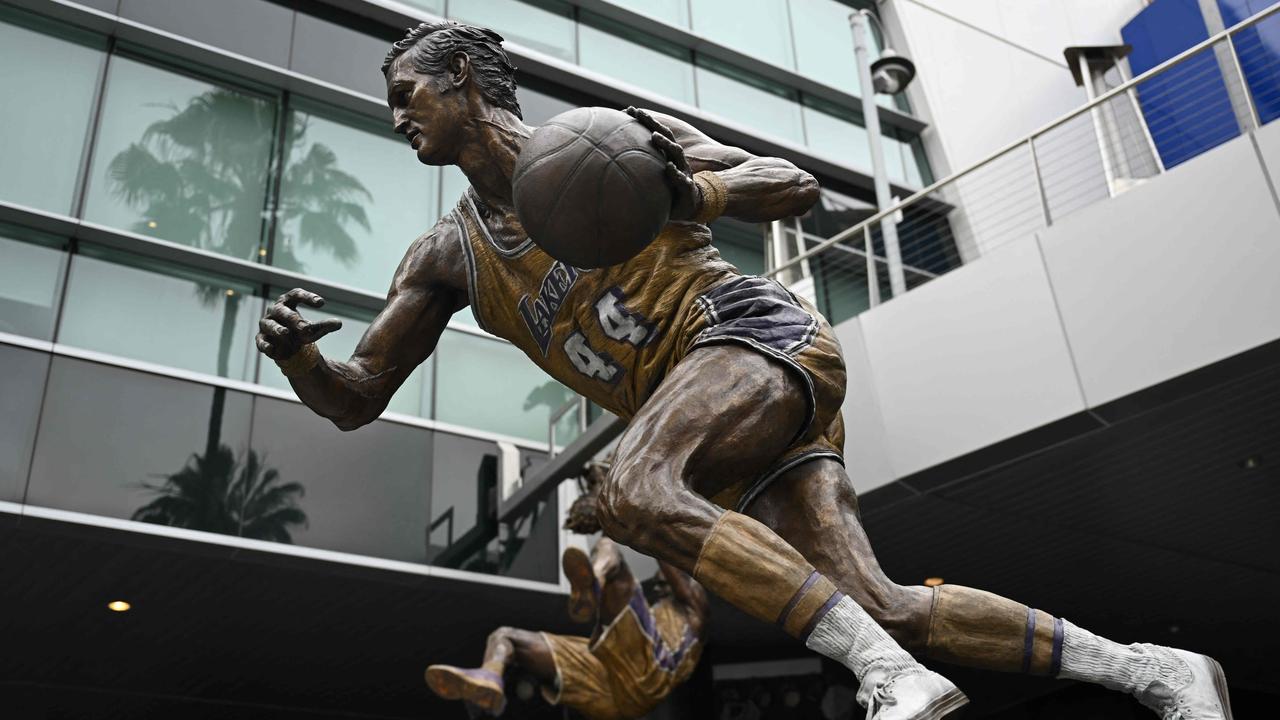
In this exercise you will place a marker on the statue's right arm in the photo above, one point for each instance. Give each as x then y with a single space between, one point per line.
428 288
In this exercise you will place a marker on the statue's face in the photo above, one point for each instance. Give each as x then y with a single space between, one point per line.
427 109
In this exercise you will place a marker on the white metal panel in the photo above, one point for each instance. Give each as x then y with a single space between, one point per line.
999 92
1268 137
974 357
866 455
1171 276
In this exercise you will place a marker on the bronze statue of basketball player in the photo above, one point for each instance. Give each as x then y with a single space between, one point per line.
637 653
732 388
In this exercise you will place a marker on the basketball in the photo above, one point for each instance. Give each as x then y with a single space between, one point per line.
589 187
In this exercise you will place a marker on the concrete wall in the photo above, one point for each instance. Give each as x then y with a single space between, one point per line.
1171 276
991 71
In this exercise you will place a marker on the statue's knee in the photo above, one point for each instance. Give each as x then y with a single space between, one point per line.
625 511
903 612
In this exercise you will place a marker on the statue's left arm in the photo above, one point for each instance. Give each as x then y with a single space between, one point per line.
755 189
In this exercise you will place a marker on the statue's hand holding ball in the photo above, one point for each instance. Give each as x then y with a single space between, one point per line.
593 186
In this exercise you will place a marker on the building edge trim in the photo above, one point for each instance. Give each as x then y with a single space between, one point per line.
237 545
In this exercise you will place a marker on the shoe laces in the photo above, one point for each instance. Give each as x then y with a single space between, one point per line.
882 695
1180 711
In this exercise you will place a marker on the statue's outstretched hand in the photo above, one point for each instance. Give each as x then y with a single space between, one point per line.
283 331
687 199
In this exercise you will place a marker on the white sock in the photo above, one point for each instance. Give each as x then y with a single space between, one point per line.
848 635
1130 668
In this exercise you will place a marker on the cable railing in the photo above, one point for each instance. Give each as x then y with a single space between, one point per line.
1136 128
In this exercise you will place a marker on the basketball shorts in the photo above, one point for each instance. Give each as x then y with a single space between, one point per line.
627 671
761 314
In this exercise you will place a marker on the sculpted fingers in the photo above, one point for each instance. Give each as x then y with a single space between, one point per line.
311 332
272 329
650 122
298 295
672 150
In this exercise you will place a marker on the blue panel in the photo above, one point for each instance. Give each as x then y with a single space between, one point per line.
1187 107
1259 50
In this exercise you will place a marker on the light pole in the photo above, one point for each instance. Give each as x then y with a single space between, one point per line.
889 75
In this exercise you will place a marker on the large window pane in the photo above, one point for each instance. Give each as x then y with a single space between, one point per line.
675 12
31 271
161 313
182 159
824 43
739 243
435 7
352 199
748 100
21 387
491 385
47 83
365 492
413 397
758 28
631 56
126 444
544 25
837 133
465 532
538 106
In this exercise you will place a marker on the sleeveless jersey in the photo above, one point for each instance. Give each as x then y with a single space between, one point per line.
610 334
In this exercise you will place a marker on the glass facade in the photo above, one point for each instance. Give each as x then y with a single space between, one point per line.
352 199
181 159
754 102
543 25
161 313
42 132
32 268
811 37
750 27
614 49
211 190
482 383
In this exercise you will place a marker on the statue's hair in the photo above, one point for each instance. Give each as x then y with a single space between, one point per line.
431 45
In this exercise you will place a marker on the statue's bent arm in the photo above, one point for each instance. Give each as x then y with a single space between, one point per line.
760 189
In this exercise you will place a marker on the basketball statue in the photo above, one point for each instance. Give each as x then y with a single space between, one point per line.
730 469
640 648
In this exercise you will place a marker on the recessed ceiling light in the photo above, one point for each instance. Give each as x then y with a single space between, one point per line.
151 224
118 606
1251 462
932 582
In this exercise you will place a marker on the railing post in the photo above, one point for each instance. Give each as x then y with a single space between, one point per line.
873 276
1035 167
1251 109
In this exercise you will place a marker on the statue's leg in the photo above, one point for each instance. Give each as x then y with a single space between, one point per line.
600 584
483 687
729 412
813 507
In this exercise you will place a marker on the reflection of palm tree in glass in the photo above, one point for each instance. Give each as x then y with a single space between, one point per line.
198 177
217 493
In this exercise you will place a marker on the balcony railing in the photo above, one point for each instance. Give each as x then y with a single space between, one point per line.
1222 88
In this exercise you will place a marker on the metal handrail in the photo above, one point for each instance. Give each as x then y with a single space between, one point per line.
1124 87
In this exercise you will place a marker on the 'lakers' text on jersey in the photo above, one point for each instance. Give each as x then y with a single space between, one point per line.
612 334
609 334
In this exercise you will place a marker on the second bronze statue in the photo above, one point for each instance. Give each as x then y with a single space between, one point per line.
731 466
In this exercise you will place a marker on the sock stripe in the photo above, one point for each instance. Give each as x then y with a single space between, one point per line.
1029 644
821 613
795 599
1055 664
